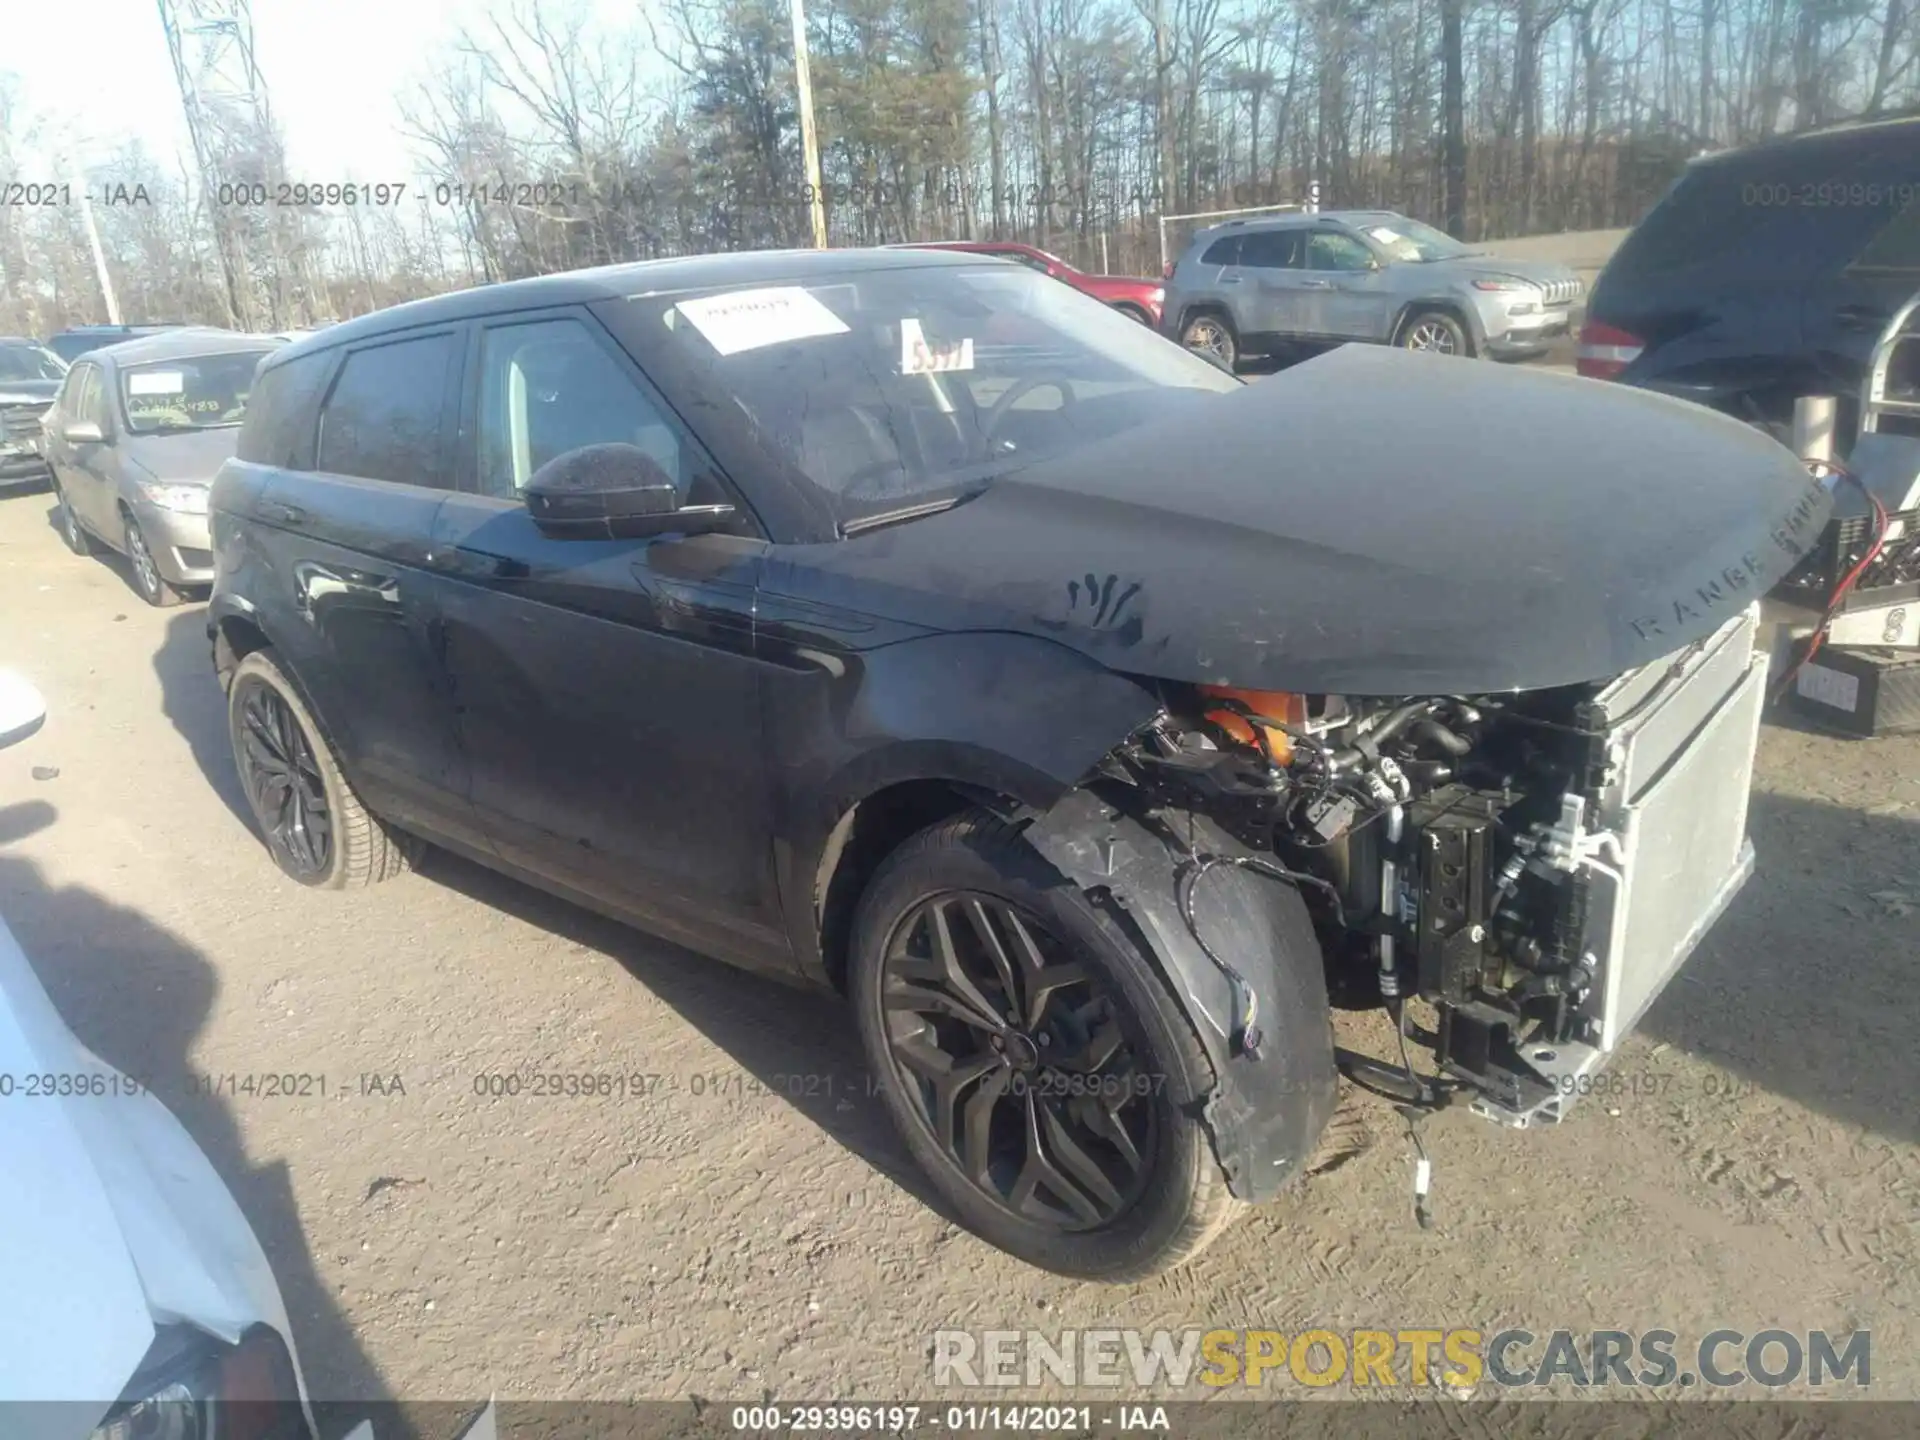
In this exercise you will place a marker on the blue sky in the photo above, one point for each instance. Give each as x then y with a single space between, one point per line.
335 71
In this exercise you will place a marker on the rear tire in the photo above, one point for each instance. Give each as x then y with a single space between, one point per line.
77 537
315 827
1091 1167
1211 333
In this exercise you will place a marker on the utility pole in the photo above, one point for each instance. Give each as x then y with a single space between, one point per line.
1453 132
1163 107
224 96
809 137
93 243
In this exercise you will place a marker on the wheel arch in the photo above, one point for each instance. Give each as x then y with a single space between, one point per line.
883 801
234 636
235 632
916 731
1193 310
866 832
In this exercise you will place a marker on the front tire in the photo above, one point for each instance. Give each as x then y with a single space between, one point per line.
1212 334
1039 1069
1437 333
147 579
316 829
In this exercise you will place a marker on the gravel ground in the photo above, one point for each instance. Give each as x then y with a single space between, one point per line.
1761 1166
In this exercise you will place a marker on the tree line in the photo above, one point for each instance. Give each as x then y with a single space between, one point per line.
546 141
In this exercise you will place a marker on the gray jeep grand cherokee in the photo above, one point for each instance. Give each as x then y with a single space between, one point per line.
1251 287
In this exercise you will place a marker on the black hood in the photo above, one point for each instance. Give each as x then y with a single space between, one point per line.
1369 523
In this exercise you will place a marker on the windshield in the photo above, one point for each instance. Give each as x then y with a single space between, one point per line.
201 392
906 386
71 347
1405 239
30 362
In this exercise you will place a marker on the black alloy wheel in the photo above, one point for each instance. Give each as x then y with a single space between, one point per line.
282 777
1018 1061
1035 1061
316 827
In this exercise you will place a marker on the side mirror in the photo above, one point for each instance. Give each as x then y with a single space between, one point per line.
82 432
22 711
608 492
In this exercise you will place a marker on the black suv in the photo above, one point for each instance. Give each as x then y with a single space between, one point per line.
1765 274
72 343
907 622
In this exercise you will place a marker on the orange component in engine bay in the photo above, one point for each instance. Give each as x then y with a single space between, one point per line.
1248 707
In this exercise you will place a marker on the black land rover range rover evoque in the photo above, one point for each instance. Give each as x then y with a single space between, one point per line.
913 625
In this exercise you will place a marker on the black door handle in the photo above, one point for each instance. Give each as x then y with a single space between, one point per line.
283 512
1860 317
476 564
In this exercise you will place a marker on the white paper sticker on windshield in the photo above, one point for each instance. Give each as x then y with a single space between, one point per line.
749 319
918 357
1386 235
156 382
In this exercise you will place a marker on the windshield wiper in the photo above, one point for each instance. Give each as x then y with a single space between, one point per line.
860 525
175 427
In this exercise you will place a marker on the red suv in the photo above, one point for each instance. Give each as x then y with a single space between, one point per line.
1138 298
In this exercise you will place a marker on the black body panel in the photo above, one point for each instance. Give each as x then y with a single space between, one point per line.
340 566
1768 272
608 709
1277 538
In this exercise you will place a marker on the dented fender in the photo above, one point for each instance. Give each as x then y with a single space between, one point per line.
866 706
1268 1107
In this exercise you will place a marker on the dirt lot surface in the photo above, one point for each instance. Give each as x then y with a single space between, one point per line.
1759 1166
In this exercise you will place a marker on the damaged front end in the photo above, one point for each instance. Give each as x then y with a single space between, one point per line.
1534 866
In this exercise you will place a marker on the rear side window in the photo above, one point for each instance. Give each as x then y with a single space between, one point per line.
278 426
1700 217
1223 252
87 397
1271 250
383 419
1896 249
73 394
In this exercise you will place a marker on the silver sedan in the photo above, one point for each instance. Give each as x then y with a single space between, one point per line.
133 443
